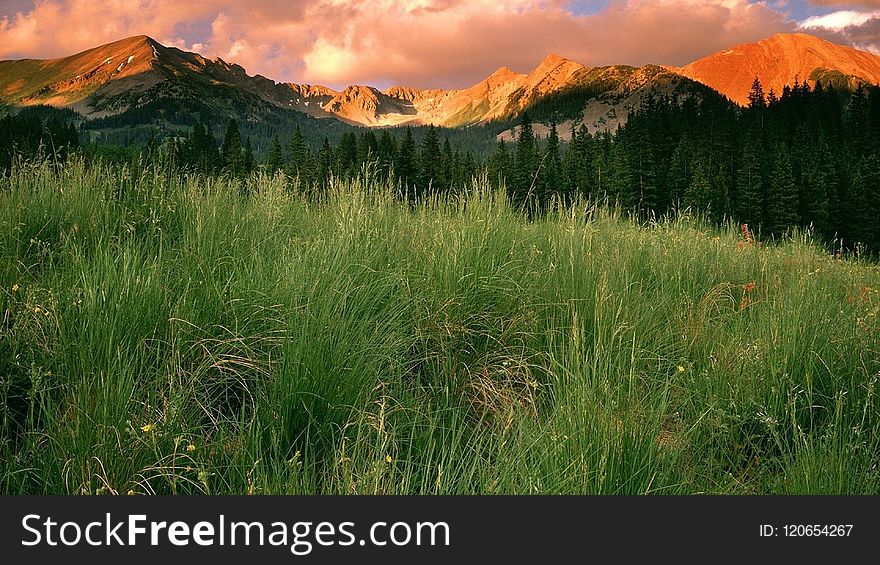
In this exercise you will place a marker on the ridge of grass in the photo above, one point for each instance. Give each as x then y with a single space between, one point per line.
182 334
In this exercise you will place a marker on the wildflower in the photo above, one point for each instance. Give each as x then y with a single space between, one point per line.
37 309
147 428
750 287
131 492
190 448
388 459
15 287
680 369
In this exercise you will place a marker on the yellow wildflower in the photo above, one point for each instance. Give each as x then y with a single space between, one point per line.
388 459
191 447
680 369
15 287
37 309
147 428
131 492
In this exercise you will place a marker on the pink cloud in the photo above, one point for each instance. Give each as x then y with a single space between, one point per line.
424 43
847 3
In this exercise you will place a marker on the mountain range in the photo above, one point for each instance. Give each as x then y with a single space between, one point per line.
138 73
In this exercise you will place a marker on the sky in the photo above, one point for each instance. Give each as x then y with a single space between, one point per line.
426 43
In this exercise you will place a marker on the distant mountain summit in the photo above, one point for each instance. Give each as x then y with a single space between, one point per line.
70 81
140 75
130 74
780 60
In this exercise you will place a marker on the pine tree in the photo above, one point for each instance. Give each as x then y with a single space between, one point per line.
368 148
275 158
619 183
865 209
387 154
817 183
499 165
698 196
756 95
431 160
470 168
750 182
602 167
857 120
576 163
449 179
680 172
645 195
552 170
407 163
325 164
782 203
233 158
301 165
347 155
525 164
200 151
248 159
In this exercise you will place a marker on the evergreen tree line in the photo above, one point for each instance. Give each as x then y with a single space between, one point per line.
419 168
808 157
35 133
805 157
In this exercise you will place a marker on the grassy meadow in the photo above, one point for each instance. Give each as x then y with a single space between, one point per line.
174 335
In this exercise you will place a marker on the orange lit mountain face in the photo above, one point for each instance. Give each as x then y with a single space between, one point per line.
126 74
131 73
778 61
69 81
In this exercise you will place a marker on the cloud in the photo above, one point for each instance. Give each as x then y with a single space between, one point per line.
424 43
864 36
860 29
839 20
853 3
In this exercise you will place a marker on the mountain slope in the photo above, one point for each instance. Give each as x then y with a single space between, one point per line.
70 80
139 74
777 61
600 96
138 71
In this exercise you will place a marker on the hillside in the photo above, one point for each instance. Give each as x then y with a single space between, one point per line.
137 72
137 80
193 341
778 61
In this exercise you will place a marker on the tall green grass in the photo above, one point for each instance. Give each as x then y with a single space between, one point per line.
171 334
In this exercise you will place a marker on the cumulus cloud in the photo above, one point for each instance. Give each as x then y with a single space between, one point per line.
862 3
424 43
858 28
839 20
